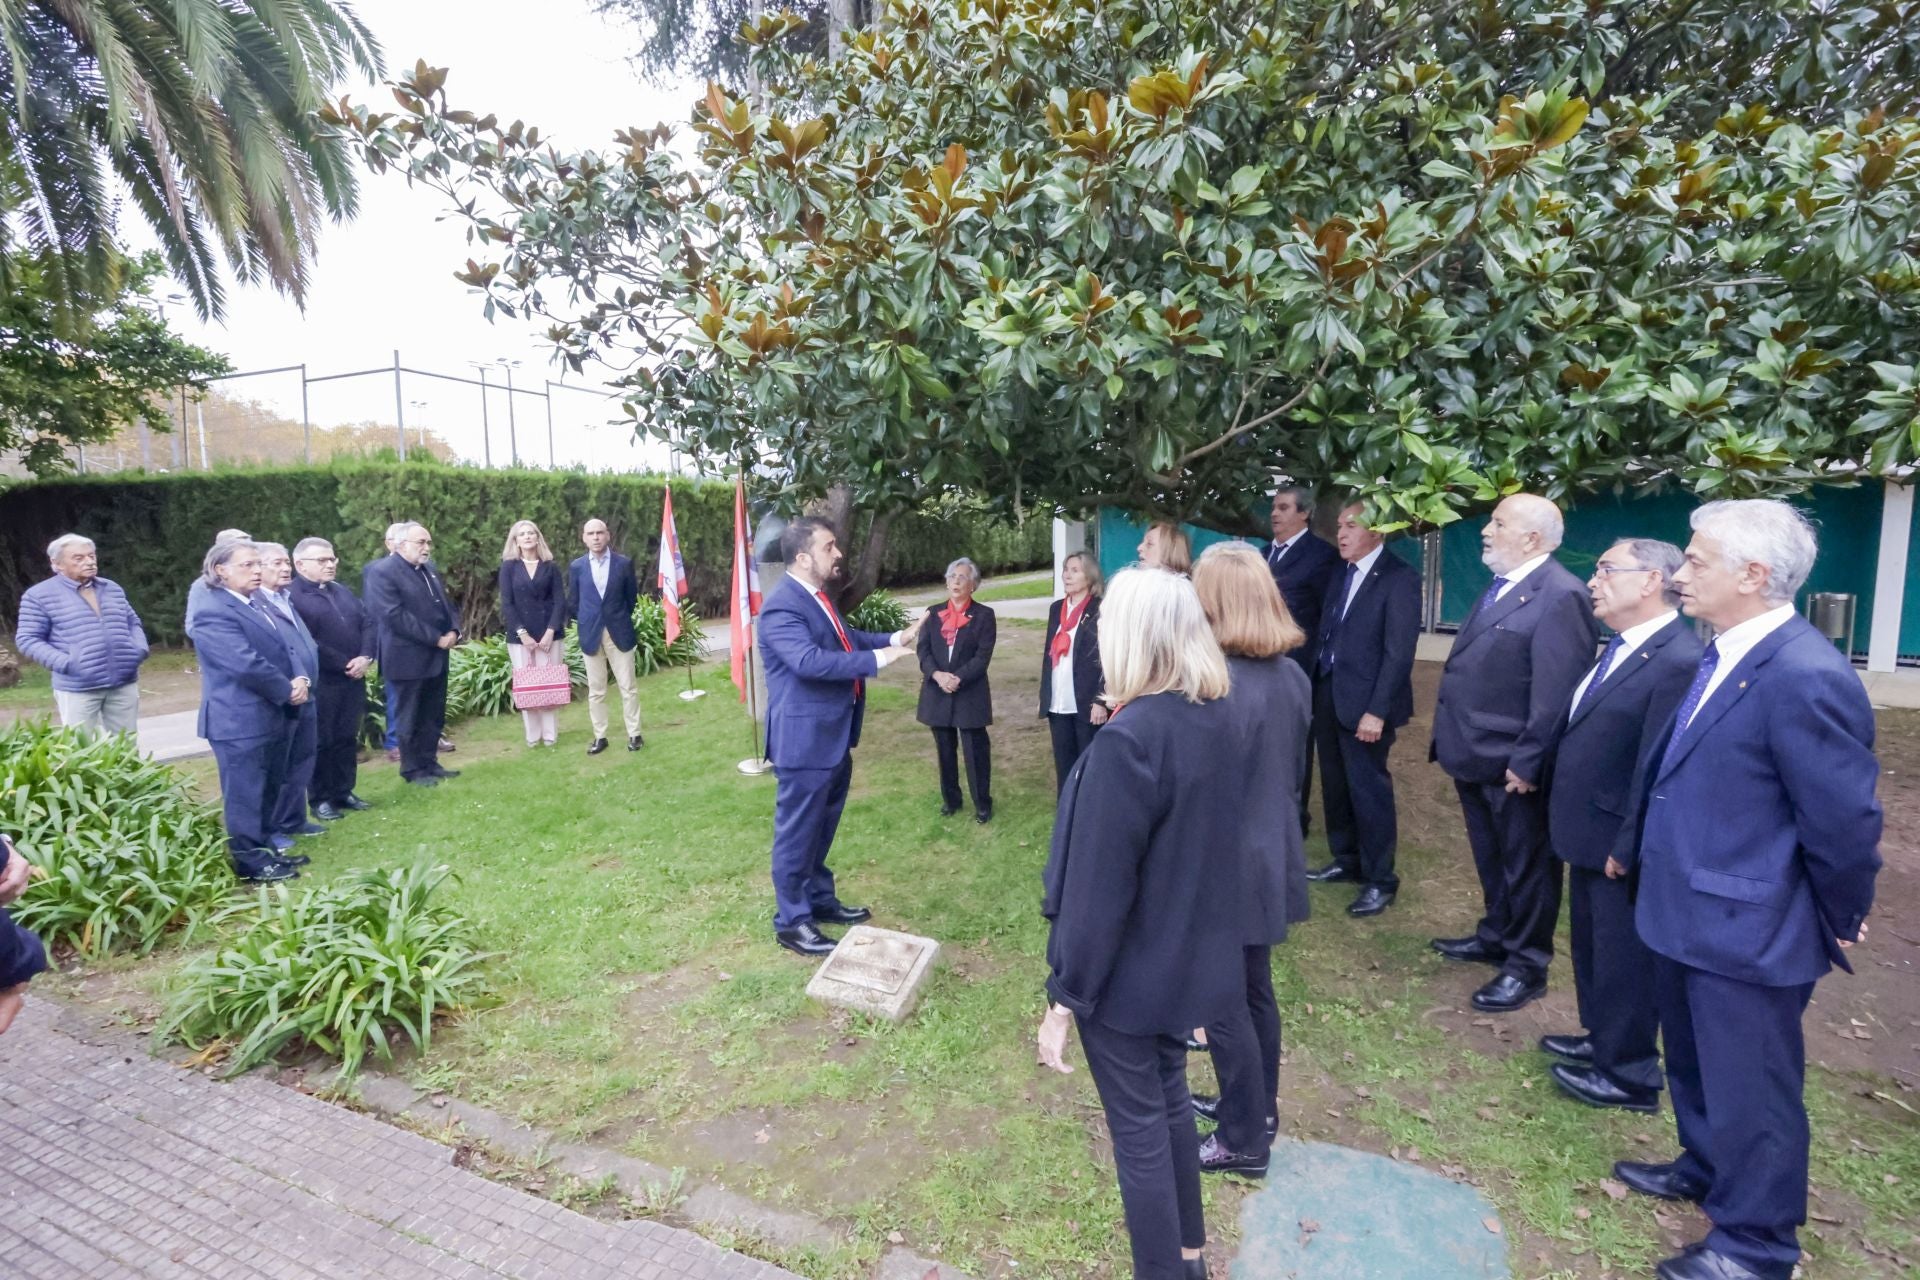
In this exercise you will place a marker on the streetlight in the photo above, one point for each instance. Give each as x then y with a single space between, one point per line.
418 405
513 439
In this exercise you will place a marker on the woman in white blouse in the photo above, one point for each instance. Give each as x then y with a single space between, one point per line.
1071 680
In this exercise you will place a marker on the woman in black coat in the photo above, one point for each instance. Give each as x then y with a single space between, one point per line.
1071 704
1144 889
534 607
956 644
1271 706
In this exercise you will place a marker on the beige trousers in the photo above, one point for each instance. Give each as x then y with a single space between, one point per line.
622 664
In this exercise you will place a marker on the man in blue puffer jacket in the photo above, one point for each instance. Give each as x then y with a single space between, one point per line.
79 626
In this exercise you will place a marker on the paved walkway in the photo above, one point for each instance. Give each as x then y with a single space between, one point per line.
114 1164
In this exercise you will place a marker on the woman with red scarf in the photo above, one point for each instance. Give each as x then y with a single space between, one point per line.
1071 680
955 701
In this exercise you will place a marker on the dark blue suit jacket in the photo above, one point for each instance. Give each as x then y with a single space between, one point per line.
614 613
411 617
247 666
310 646
1506 684
813 717
1760 840
1307 576
1594 764
1375 644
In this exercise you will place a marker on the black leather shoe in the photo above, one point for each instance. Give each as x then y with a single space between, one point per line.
1507 993
1193 1269
841 913
354 803
1333 873
948 810
984 814
1661 1181
1577 1049
293 859
1469 949
1215 1158
263 869
1591 1086
805 940
1371 902
438 772
1703 1264
327 813
635 743
308 829
595 747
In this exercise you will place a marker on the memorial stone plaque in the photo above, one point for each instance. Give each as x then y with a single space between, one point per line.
876 971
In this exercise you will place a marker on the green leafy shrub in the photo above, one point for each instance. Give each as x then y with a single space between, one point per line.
340 967
479 679
130 855
879 612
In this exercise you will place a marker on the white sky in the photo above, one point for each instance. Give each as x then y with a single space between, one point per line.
385 280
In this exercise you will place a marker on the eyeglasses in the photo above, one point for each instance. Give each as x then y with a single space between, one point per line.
1608 570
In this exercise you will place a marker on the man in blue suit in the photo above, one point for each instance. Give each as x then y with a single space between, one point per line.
252 687
1503 695
290 810
602 591
1758 849
817 669
1307 571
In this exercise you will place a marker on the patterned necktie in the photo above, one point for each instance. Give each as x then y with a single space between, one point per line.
1696 694
1599 674
858 685
1338 619
1491 594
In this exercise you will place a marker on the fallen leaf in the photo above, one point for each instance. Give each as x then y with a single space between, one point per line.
894 1237
1582 1213
1614 1190
763 1137
1491 1224
1309 1226
1487 1113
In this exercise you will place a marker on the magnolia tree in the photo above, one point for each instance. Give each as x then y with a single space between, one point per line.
1071 252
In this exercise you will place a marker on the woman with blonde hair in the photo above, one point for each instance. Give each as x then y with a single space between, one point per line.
534 608
1070 677
1144 854
1165 545
1271 707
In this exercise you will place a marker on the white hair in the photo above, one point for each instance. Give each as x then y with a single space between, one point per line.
219 554
1154 638
1542 516
1762 531
233 535
397 528
309 544
268 550
58 547
968 565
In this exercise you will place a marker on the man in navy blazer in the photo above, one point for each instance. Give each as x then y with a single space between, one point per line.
1362 695
252 687
817 669
1618 709
1306 570
1503 694
1759 838
290 810
417 625
602 592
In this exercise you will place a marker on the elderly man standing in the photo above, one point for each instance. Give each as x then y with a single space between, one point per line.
1758 851
602 591
1503 695
197 593
417 625
1618 711
345 636
290 811
79 626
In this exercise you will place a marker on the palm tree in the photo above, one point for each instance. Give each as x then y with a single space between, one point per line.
199 111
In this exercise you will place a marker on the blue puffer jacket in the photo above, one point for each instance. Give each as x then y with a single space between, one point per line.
84 651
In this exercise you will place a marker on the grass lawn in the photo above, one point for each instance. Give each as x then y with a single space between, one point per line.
639 1002
1028 589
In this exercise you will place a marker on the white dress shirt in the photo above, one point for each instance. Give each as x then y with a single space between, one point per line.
599 566
1519 573
1061 701
1278 551
1630 639
1363 566
1737 642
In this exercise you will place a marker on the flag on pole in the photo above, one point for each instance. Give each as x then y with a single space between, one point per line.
746 593
673 572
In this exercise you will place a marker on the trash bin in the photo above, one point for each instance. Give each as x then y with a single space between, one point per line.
1831 613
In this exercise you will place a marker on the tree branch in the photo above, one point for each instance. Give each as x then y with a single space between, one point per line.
1241 428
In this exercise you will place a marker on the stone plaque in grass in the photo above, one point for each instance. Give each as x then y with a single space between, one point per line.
876 971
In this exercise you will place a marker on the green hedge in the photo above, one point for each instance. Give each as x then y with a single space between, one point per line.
153 530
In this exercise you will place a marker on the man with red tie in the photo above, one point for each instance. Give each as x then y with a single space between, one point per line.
817 669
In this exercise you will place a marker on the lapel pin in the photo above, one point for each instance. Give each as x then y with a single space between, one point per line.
1743 684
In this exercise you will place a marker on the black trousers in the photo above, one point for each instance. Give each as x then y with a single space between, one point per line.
290 808
1613 978
1519 877
1070 734
948 744
336 770
421 708
1156 1149
1736 1075
1246 1057
251 773
1356 791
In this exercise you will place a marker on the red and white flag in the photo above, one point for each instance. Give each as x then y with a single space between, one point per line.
746 593
673 573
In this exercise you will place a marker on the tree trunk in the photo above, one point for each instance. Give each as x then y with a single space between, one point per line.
865 561
9 668
841 24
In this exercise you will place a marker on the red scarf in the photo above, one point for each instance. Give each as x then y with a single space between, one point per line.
1063 638
952 618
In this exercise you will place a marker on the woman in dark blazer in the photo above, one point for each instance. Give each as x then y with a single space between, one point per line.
1071 706
1144 889
1271 707
956 644
534 607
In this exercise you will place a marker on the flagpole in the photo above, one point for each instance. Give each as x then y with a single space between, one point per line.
690 694
757 763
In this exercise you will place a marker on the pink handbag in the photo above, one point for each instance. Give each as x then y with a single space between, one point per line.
536 687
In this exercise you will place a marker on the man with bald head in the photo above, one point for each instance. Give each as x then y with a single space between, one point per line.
601 594
1505 690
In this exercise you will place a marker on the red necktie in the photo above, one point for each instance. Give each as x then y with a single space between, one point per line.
859 686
